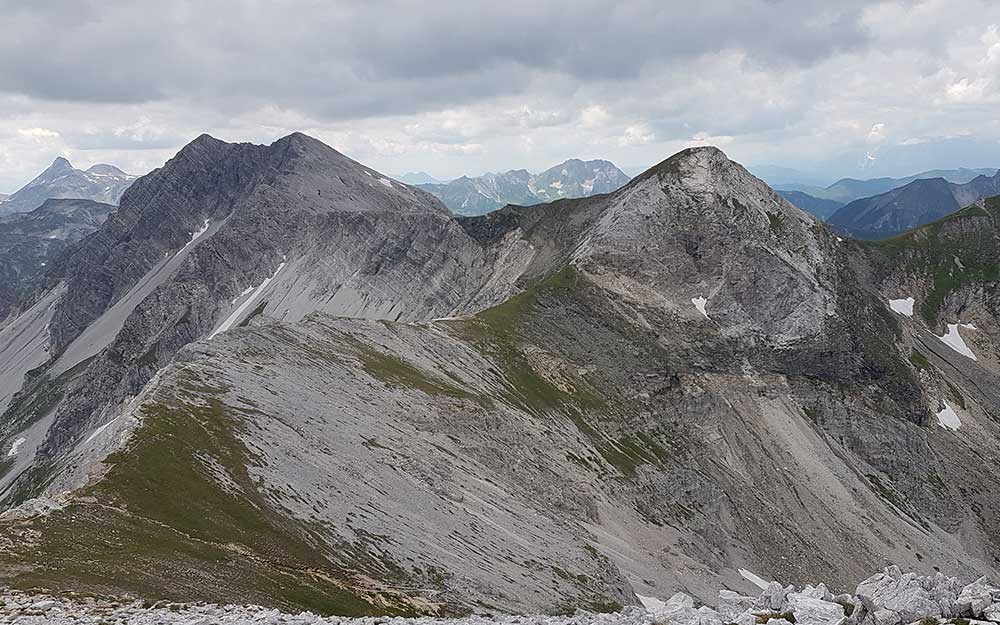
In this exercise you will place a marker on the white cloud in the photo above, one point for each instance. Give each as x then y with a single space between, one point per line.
37 133
833 87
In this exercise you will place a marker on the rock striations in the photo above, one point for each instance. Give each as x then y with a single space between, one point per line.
276 377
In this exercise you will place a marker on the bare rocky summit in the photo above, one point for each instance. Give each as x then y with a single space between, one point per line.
276 377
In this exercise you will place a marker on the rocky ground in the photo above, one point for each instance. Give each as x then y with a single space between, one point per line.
888 598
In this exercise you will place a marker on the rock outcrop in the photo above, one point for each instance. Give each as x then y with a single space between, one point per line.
808 606
310 387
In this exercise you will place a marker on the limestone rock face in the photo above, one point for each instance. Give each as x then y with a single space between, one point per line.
310 387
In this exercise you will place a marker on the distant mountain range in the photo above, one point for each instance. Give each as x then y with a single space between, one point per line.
304 386
418 178
571 179
816 206
849 189
910 206
3 197
100 183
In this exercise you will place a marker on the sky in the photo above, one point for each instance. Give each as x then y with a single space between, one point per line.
463 87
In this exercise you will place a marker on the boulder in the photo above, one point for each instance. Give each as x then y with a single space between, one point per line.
680 610
892 597
732 605
975 598
774 598
810 610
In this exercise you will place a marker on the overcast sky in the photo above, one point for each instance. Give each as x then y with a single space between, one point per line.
453 87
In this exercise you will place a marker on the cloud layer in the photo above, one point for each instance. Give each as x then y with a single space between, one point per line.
464 87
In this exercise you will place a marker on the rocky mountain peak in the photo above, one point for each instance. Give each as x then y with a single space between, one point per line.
60 164
103 169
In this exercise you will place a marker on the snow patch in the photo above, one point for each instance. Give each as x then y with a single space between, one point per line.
233 318
99 430
902 306
385 182
195 235
652 604
953 339
699 303
754 579
241 295
16 446
948 418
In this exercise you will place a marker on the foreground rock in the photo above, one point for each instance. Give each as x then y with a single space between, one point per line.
890 597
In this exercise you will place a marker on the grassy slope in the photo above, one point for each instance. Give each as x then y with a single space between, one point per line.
969 235
162 524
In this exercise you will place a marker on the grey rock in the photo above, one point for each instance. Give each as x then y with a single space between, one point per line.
811 610
731 605
32 241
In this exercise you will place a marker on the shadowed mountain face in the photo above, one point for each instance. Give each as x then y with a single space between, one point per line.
275 376
847 190
571 179
30 241
818 207
918 203
100 183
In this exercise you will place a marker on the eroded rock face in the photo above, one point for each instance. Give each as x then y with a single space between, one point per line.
537 409
31 241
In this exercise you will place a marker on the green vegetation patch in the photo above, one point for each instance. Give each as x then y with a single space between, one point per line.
179 516
953 252
630 452
496 333
394 370
919 361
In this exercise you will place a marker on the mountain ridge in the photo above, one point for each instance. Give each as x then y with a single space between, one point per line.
910 206
570 179
642 391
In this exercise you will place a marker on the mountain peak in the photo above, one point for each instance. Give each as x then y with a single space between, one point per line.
103 169
60 164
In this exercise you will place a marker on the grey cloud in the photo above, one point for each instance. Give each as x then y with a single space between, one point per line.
358 59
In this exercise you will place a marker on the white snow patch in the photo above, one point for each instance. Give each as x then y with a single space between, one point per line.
754 579
99 430
652 604
13 448
241 295
557 184
954 340
839 240
948 418
902 306
196 235
385 182
233 318
699 303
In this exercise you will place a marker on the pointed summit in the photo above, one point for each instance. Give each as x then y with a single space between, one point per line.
61 164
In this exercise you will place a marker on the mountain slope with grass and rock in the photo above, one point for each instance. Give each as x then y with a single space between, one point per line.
276 377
